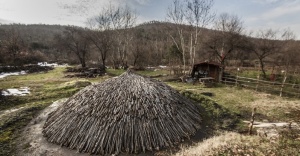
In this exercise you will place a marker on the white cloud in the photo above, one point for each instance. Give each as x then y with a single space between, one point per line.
139 2
271 1
3 21
83 7
89 8
286 9
279 15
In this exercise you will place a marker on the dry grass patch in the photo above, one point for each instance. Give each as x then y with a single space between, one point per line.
228 143
276 106
242 101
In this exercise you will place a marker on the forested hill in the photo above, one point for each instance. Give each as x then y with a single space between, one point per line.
43 33
35 32
150 43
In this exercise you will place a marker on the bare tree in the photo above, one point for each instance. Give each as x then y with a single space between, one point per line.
75 41
175 15
198 14
12 44
101 33
265 46
124 36
113 22
290 54
138 49
226 37
102 41
174 56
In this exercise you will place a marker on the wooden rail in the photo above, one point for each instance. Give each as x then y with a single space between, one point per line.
274 87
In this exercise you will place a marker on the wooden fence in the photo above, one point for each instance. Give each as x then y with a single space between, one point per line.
273 87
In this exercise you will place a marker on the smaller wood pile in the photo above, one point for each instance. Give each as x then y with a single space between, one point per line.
129 113
1 96
85 72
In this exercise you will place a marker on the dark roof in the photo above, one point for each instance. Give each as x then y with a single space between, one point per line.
209 63
129 113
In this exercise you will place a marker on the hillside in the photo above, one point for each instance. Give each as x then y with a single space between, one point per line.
36 32
153 43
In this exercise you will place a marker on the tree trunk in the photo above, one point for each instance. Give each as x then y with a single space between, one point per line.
183 51
103 64
221 70
83 64
262 67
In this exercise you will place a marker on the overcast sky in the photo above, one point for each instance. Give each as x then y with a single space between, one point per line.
256 14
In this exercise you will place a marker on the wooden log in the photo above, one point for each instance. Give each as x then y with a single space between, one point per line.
252 121
282 86
130 114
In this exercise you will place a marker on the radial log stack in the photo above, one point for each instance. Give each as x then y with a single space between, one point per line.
130 113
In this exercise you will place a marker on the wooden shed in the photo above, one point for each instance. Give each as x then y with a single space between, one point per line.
207 69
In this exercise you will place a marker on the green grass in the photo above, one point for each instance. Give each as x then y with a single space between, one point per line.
116 72
232 98
242 101
213 114
224 110
291 77
45 89
228 107
153 73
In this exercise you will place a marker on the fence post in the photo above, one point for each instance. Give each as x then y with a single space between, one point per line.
293 77
298 91
237 75
282 85
257 83
252 121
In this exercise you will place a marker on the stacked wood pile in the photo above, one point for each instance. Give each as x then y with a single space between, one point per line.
36 68
75 70
1 96
129 113
85 72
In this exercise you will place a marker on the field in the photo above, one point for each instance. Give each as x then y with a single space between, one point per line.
224 111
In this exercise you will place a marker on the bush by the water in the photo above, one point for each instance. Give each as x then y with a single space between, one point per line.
27 68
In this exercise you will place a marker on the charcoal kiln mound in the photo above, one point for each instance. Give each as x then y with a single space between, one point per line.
129 113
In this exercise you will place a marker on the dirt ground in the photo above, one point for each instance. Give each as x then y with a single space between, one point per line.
32 142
